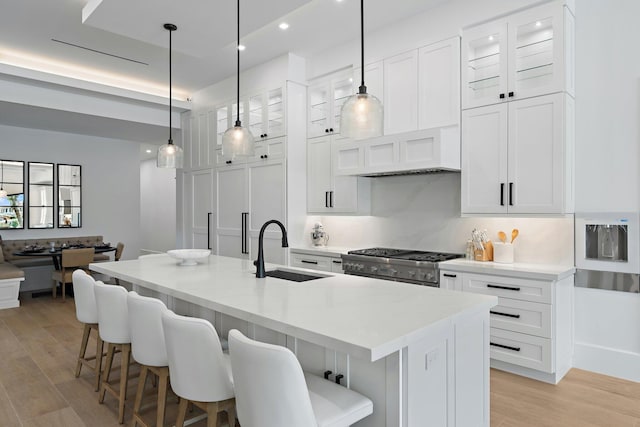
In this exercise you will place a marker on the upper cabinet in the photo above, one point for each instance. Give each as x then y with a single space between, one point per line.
400 93
325 98
265 114
523 55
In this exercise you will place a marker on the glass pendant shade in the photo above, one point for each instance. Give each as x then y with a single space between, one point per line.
361 117
237 142
170 156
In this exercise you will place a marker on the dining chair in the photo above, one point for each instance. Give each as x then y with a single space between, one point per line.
119 250
272 390
113 325
200 371
71 259
149 350
86 313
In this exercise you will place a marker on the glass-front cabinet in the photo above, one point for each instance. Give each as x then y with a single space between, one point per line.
517 57
41 198
326 98
266 114
69 196
11 195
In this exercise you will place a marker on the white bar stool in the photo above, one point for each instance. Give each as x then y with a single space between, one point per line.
86 312
273 391
200 371
149 350
113 321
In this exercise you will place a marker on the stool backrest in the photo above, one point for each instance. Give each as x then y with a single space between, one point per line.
270 387
84 296
77 257
145 326
198 368
113 315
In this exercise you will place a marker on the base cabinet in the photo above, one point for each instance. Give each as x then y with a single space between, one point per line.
318 262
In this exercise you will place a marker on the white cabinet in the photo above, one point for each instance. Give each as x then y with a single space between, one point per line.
400 94
248 195
517 157
198 196
325 98
265 114
198 139
531 327
321 262
523 55
326 191
373 79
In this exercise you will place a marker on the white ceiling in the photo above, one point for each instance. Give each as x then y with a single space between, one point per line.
134 45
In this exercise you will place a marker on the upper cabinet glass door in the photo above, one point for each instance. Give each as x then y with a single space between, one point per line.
222 122
12 205
318 95
484 65
274 113
69 196
342 89
41 198
256 115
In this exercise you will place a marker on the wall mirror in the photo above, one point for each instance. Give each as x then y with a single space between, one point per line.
11 195
69 196
40 195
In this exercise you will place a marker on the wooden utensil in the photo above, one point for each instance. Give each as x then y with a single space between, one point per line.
514 234
502 236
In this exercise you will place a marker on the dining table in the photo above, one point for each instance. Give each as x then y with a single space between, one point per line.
56 252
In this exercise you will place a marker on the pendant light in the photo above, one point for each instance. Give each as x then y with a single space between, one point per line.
362 114
3 192
169 154
237 141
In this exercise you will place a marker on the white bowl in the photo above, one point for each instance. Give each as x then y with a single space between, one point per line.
189 256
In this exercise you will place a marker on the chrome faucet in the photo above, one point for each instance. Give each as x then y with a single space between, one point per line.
259 263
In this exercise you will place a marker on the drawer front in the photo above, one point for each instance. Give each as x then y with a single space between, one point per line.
522 316
310 261
336 265
520 349
509 287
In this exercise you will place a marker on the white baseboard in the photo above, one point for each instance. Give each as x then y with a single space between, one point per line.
607 361
9 304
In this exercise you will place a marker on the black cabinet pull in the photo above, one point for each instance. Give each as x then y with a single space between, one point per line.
338 378
508 347
304 261
245 246
326 130
209 230
506 288
326 374
326 199
265 135
336 262
330 199
502 96
511 194
502 194
228 162
510 94
515 316
449 275
266 155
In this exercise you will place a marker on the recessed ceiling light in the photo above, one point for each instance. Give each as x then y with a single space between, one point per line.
148 151
283 26
490 38
241 47
538 23
339 1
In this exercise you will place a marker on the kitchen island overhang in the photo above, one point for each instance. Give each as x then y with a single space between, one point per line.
367 319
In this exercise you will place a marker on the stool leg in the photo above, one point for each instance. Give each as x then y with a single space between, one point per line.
107 371
83 347
162 396
138 402
231 414
182 412
64 291
124 374
212 414
99 350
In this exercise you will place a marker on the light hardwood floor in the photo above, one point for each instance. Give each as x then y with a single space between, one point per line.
40 340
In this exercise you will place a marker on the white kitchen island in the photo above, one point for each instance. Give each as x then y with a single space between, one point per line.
421 354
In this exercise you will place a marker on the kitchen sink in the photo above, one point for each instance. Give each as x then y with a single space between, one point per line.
292 275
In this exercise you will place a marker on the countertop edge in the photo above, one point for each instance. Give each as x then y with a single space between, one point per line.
520 270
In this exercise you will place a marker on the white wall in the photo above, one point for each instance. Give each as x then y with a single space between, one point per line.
607 161
110 182
157 208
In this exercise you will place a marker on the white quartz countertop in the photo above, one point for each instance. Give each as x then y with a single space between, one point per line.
517 269
367 318
321 250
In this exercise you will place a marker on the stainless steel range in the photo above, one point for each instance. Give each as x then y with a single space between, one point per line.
402 265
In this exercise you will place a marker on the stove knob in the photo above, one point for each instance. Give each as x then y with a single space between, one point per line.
430 276
421 275
374 269
347 266
360 267
412 273
393 271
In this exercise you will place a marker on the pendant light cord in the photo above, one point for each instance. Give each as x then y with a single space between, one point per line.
363 88
170 86
238 123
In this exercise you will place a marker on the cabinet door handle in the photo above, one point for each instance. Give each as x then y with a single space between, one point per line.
330 129
330 199
266 155
326 199
338 378
511 194
449 275
506 288
326 374
265 135
245 246
508 347
502 96
209 230
502 194
497 313
304 261
510 94
326 130
228 162
336 262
